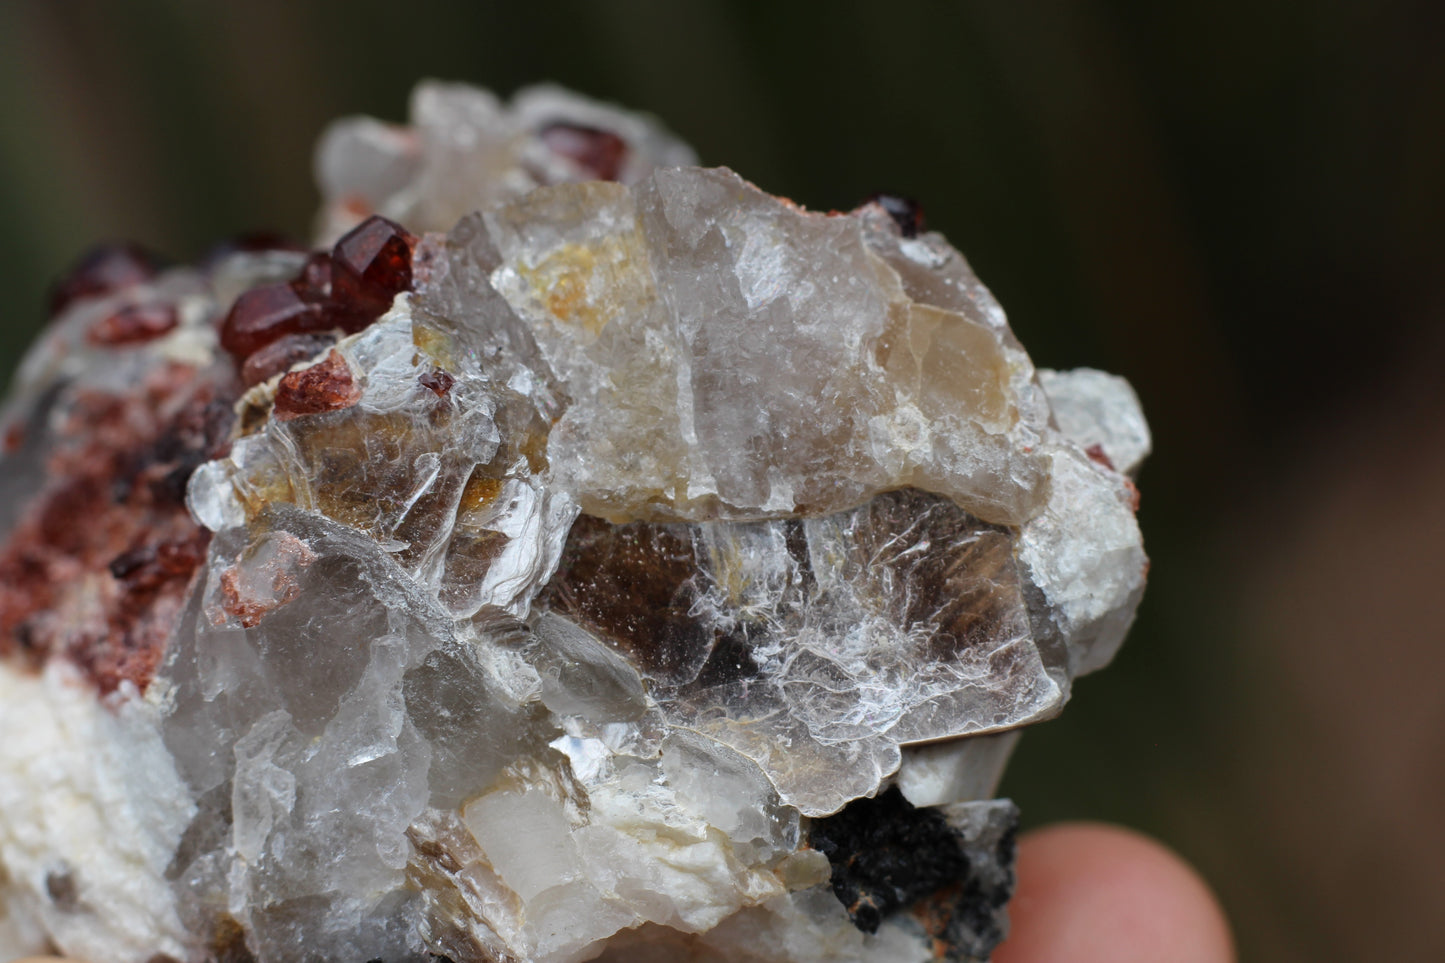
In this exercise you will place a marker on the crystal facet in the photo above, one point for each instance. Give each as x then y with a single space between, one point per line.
581 555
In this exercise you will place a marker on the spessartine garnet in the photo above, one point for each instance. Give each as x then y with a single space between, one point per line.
370 265
437 381
281 354
133 324
103 270
262 315
599 152
344 290
327 385
314 281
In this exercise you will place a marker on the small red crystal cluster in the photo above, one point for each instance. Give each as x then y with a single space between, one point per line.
271 328
104 555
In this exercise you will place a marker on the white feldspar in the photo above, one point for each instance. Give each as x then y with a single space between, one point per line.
665 576
959 770
1097 408
93 811
1085 559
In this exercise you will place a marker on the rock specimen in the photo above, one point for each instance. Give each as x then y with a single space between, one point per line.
581 555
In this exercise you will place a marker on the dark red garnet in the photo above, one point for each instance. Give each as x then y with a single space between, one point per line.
103 270
314 281
133 324
280 355
370 266
600 153
437 381
1099 456
905 211
327 385
262 315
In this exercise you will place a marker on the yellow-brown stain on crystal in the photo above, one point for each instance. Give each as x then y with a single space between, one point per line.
728 568
434 344
586 286
962 365
480 491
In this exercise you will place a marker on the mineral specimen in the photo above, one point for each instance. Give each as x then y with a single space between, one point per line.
581 555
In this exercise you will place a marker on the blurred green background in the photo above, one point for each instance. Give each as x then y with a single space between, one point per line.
1236 204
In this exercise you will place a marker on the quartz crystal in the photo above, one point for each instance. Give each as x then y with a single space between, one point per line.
579 555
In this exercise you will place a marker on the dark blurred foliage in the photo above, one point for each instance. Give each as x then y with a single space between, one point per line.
1238 205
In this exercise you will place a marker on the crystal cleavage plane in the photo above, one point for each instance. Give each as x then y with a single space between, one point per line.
579 555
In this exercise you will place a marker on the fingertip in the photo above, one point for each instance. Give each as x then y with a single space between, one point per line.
1092 893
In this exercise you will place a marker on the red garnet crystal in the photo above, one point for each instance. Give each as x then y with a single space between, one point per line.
133 324
314 281
599 152
370 266
328 385
437 381
262 315
344 290
103 270
280 355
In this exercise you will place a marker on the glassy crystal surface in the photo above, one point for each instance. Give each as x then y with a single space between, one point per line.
580 555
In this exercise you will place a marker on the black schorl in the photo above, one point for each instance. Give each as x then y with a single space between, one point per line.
953 877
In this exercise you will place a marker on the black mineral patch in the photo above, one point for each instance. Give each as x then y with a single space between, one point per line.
948 876
62 889
887 854
967 920
905 211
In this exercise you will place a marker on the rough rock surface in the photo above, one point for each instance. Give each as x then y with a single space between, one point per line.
581 556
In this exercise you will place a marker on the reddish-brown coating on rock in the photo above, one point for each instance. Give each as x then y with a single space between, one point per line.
328 385
1098 456
599 153
103 270
253 588
100 562
133 324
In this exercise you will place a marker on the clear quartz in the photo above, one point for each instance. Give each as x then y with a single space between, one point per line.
669 527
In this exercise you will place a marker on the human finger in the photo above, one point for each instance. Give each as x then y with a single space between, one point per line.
1090 893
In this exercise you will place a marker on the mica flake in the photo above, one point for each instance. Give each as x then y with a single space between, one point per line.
580 555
